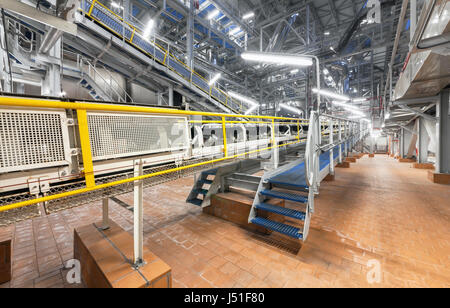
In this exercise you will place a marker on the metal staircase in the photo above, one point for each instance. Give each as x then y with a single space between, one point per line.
296 182
100 83
199 189
98 18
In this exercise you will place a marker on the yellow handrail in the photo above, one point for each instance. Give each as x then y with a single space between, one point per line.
42 103
83 108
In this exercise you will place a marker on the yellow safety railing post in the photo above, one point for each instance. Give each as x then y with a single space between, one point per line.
92 7
132 35
224 130
86 148
298 130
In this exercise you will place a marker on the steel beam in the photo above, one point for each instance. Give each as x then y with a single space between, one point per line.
443 134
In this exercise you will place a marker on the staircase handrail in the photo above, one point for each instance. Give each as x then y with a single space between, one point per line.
94 73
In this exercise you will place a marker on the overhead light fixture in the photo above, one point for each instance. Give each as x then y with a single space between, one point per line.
277 58
214 14
234 31
293 72
326 71
331 94
243 98
148 30
359 100
332 49
350 108
248 16
252 109
214 79
327 33
116 5
290 108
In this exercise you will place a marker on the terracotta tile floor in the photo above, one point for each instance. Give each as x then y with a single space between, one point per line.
377 210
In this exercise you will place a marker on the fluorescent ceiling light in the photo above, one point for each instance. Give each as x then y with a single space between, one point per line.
277 59
332 49
234 31
116 5
350 108
327 33
359 100
214 14
149 28
293 72
243 98
214 79
253 108
289 108
331 94
248 15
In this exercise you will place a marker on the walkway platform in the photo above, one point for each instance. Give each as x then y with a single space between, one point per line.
377 211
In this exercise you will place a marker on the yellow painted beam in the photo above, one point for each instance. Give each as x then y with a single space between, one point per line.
40 103
86 148
224 130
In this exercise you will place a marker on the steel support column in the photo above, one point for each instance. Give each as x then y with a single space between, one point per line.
138 215
443 134
331 140
340 142
105 208
423 142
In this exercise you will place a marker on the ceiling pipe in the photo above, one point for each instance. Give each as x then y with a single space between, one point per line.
396 43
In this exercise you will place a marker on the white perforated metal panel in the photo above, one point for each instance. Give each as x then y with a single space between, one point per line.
125 135
31 139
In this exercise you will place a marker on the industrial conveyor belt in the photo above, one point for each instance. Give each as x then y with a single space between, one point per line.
295 177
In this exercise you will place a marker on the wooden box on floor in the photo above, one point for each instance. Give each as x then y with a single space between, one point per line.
5 261
106 260
235 207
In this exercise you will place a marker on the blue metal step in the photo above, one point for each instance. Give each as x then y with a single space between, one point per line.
278 227
196 202
202 191
282 211
284 195
292 186
206 181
